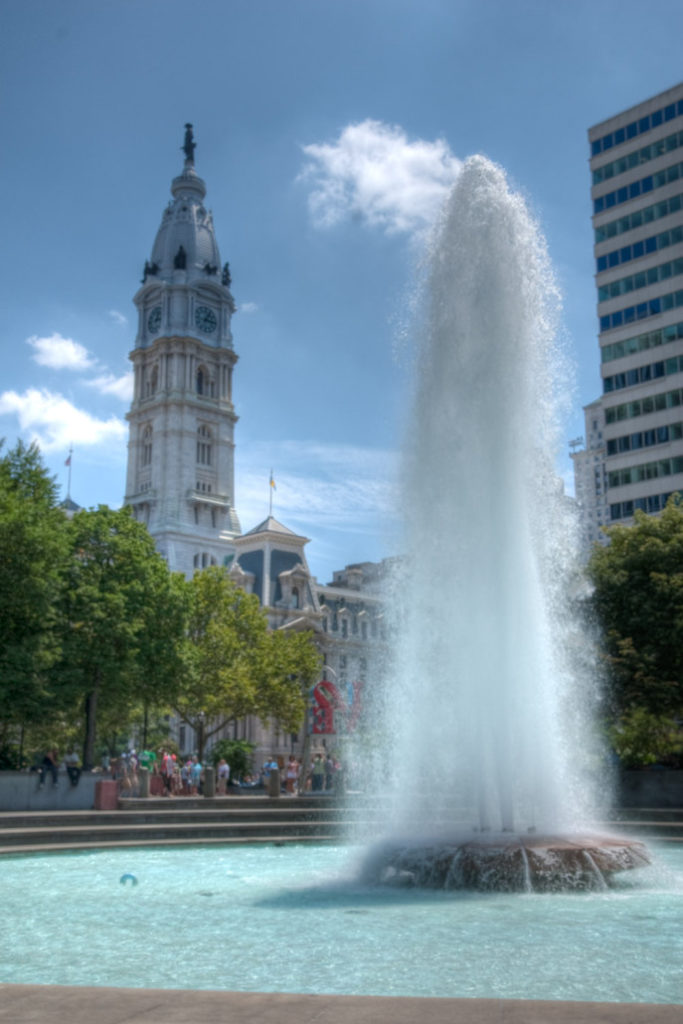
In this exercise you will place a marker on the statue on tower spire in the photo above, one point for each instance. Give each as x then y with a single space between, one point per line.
189 145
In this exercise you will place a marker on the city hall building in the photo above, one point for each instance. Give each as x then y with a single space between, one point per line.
181 476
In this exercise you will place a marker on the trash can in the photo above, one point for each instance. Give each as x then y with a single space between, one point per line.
106 795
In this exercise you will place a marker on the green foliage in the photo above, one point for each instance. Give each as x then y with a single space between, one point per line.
234 666
641 739
238 753
124 615
638 600
33 552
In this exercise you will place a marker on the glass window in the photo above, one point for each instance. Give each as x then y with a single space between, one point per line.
644 124
647 184
619 136
670 112
656 118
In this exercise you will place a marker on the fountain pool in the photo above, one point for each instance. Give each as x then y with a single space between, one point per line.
296 919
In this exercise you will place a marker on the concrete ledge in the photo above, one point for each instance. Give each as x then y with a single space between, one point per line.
28 1004
19 791
654 787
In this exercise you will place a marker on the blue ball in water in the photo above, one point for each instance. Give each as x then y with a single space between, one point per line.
128 878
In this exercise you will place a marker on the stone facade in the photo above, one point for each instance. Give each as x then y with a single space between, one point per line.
180 478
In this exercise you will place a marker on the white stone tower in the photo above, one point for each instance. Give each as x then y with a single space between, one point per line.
180 478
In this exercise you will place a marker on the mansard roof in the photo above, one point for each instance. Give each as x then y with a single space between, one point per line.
271 525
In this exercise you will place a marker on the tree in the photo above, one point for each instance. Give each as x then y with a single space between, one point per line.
33 551
233 666
123 620
638 600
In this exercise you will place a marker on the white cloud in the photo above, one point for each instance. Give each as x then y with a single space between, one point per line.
54 422
60 353
107 384
372 172
118 318
248 307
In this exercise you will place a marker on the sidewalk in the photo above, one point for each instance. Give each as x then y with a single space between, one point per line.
38 1004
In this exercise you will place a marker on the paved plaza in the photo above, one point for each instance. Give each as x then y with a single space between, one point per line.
55 1004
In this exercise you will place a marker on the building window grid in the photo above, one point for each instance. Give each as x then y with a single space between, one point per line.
646 246
644 406
651 503
637 157
636 219
636 128
641 279
645 471
650 183
204 439
642 342
642 374
645 438
642 311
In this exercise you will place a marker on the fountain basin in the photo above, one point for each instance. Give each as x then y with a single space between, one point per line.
507 862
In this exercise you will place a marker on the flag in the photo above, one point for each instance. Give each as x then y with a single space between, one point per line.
272 482
68 461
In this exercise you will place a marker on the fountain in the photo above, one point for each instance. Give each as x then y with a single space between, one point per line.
489 714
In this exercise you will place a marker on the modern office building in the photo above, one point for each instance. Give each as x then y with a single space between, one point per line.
637 196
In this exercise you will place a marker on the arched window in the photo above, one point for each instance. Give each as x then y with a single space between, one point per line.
147 446
295 597
203 445
201 380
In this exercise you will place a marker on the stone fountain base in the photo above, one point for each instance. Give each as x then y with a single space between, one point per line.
508 862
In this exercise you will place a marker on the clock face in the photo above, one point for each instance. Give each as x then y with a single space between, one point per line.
205 319
154 320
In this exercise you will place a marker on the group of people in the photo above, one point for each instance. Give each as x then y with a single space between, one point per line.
177 777
184 777
324 773
51 764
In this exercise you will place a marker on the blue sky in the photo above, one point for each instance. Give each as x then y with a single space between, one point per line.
327 132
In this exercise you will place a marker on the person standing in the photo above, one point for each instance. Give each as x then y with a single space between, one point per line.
317 774
291 774
195 775
223 776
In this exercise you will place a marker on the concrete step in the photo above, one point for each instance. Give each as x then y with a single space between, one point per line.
170 815
163 831
84 846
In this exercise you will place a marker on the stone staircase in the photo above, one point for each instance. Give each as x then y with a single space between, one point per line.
187 821
184 821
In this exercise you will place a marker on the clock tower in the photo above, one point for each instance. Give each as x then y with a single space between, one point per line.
180 478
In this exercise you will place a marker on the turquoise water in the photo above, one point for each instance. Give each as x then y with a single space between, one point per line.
294 919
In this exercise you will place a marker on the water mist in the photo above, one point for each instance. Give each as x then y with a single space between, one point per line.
487 707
